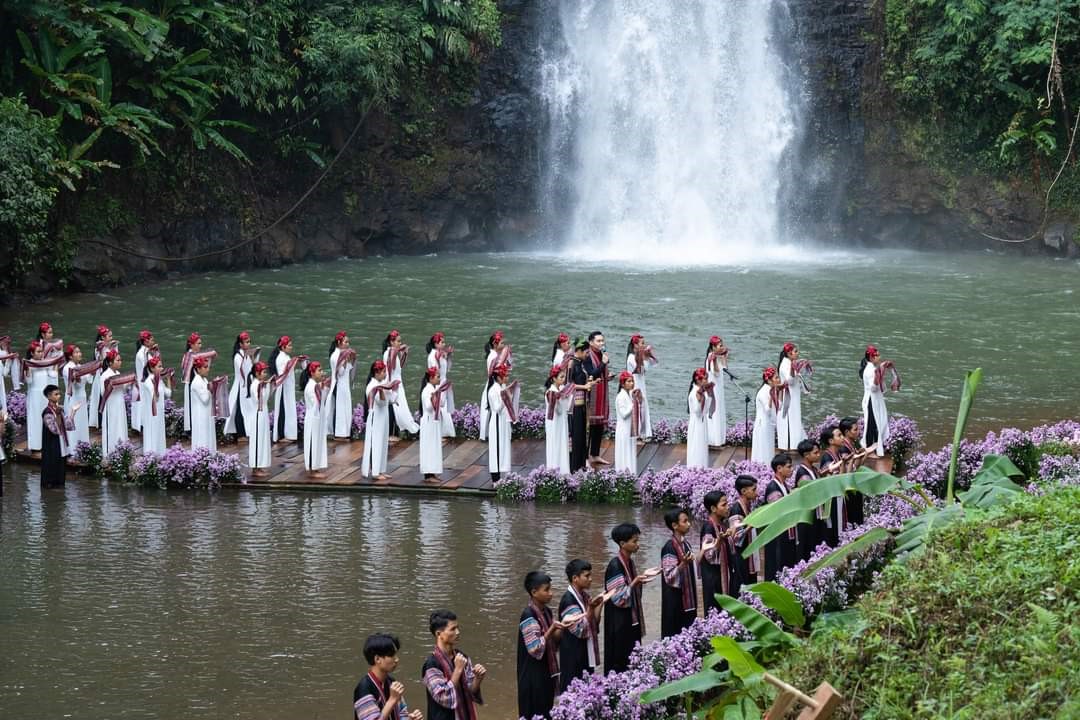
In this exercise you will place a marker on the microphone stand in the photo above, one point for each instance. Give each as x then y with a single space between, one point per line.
746 409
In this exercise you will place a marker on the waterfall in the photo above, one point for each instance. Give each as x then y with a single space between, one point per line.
667 122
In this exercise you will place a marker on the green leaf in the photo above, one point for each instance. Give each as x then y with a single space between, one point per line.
916 529
1000 466
783 601
77 151
816 493
742 663
700 681
850 620
971 384
761 627
869 538
777 528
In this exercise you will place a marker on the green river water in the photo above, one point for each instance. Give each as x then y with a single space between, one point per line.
122 603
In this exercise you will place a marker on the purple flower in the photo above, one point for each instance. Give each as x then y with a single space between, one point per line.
16 406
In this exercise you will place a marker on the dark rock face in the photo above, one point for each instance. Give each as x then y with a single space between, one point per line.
849 179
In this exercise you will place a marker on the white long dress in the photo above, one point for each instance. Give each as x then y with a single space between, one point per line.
639 384
153 426
259 445
789 427
36 401
401 404
498 422
141 356
114 422
763 444
430 434
341 397
697 439
238 403
95 389
874 401
447 402
556 438
284 401
492 356
203 429
314 430
625 447
376 430
716 425
77 396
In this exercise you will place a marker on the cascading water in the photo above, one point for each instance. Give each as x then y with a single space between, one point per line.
667 123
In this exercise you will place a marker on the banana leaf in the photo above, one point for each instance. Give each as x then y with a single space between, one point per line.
783 601
778 527
816 493
971 384
762 628
915 530
993 484
871 537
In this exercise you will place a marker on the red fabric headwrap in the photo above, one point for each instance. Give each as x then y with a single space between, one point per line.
700 374
635 339
768 374
871 350
340 336
34 345
312 367
69 350
145 335
497 337
200 363
154 361
394 334
714 340
244 336
501 370
433 371
102 331
110 356
44 328
283 341
193 338
563 337
624 376
260 367
555 370
437 338
788 347
378 366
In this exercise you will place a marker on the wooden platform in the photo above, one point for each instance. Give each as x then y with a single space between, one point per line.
465 467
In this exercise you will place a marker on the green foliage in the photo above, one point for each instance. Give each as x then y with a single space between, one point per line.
982 624
28 182
967 397
973 76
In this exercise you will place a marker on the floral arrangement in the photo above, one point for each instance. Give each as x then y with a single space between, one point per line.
670 432
8 439
549 485
357 431
174 419
904 439
16 407
741 434
177 467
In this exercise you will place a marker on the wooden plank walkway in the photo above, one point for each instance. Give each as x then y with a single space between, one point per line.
465 468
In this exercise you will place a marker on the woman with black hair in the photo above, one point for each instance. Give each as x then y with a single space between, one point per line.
342 368
237 422
875 414
639 356
558 394
560 350
283 366
395 355
156 389
699 403
789 427
716 361
103 344
143 347
431 460
259 391
769 400
203 423
502 413
440 355
378 398
315 392
496 352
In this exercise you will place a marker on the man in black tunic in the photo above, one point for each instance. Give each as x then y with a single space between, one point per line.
783 550
579 647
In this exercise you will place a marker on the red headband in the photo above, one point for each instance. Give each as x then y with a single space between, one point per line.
145 335
244 336
624 376
312 367
501 370
378 366
283 341
788 347
154 361
340 336
34 345
700 374
555 370
563 337
433 371
635 339
715 340
768 373
871 350
44 327
194 338
69 350
260 367
200 362
102 330
438 337
394 334
111 355
497 337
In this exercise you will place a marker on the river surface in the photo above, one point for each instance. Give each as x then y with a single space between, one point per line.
936 315
123 603
118 602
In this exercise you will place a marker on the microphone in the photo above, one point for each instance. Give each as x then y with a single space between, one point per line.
730 375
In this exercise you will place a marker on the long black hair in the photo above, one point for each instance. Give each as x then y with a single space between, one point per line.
555 347
630 348
386 341
333 347
863 364
430 344
423 384
236 346
370 377
305 375
250 377
273 358
138 346
490 344
784 355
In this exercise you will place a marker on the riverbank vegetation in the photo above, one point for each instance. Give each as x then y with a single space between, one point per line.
987 87
164 92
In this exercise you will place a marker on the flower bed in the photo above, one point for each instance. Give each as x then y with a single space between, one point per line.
176 468
548 485
16 407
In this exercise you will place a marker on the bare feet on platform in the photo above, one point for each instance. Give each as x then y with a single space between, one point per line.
259 473
393 439
445 440
432 479
599 461
382 478
317 475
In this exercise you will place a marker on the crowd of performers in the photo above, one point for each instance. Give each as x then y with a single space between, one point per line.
557 646
577 394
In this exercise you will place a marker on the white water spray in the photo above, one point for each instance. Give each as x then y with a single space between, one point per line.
668 120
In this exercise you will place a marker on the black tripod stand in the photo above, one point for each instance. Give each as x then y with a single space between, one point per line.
746 409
